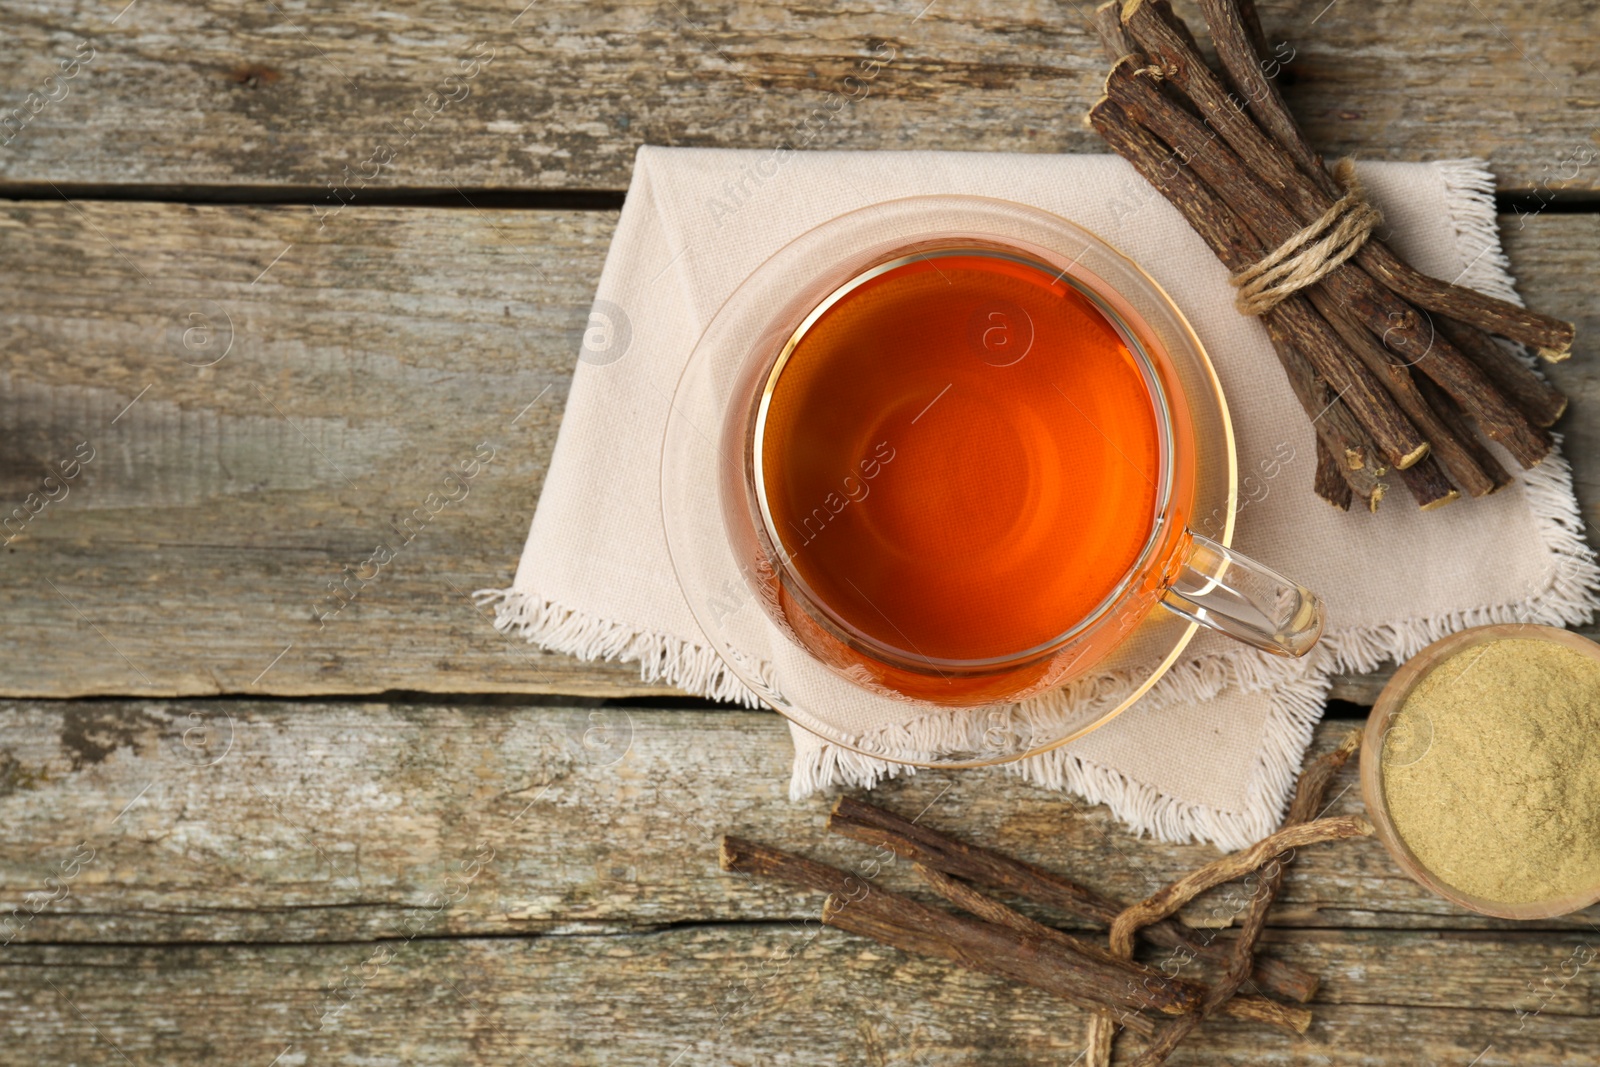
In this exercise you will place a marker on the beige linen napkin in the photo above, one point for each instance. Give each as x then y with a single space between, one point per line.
1211 752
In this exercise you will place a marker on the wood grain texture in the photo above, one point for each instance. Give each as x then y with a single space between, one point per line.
372 883
289 95
368 359
263 821
742 995
269 392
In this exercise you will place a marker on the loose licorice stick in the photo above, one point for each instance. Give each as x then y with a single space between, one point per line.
750 857
993 950
988 909
1163 903
913 841
1090 980
1309 791
1293 1020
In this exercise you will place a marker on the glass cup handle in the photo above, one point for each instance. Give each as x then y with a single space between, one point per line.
1219 588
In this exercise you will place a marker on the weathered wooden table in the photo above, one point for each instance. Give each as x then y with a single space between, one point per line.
280 267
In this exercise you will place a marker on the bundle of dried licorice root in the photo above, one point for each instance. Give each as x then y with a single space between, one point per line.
1395 369
994 938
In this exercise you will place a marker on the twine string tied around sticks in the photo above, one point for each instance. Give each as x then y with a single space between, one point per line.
1314 252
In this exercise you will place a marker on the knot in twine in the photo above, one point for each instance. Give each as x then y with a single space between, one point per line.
1314 252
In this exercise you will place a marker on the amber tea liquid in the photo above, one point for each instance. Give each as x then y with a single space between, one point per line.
961 457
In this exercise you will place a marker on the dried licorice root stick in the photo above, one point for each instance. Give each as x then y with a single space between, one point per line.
1542 402
1329 481
1339 432
1551 337
1103 1021
1428 484
1002 952
1294 1020
1108 23
1145 97
1458 457
1450 414
1348 467
1294 325
1309 790
1314 780
749 857
1163 903
1356 460
872 825
1091 979
1396 374
1168 42
1332 421
1241 46
988 909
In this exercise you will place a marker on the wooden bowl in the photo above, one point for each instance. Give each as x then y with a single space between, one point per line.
1389 703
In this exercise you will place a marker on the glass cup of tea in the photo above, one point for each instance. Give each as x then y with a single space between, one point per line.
967 453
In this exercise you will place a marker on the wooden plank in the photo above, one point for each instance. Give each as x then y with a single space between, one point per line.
346 821
1550 255
748 995
558 95
368 360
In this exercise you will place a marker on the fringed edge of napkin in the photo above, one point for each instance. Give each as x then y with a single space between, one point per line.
1571 597
1296 707
661 657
